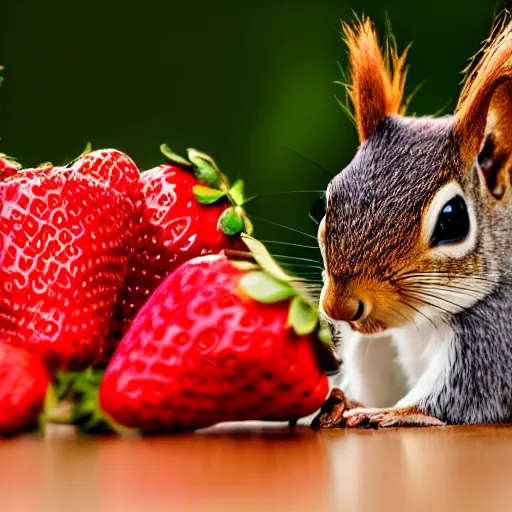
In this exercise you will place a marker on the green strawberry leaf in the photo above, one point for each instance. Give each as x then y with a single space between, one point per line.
194 154
173 157
88 381
237 192
87 413
50 401
207 175
325 337
86 150
264 288
206 169
245 265
302 317
12 159
231 222
55 410
207 195
62 383
248 225
264 259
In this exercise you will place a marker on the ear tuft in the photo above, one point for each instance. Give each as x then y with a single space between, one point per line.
486 93
377 83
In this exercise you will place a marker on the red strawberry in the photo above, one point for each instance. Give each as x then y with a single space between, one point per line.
65 240
202 351
8 166
114 168
182 220
24 382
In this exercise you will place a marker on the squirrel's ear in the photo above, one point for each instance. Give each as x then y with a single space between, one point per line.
376 82
484 110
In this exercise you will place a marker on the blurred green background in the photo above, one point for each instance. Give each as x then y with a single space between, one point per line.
242 81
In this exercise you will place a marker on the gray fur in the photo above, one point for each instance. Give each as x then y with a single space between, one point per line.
399 167
478 388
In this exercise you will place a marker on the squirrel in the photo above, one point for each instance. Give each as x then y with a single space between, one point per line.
417 247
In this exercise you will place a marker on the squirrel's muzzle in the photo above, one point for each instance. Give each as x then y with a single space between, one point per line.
343 307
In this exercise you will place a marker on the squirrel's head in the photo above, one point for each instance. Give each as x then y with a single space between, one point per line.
418 223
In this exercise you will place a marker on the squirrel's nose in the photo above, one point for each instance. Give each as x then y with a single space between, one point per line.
348 309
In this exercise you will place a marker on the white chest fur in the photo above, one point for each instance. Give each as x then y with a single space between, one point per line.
417 346
402 366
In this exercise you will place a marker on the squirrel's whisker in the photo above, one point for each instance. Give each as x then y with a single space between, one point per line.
454 290
285 257
405 303
302 273
419 298
284 193
284 227
317 165
302 270
450 275
307 268
311 281
407 318
423 294
277 242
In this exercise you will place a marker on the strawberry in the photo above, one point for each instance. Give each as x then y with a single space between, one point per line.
114 168
64 245
217 341
24 382
183 219
8 166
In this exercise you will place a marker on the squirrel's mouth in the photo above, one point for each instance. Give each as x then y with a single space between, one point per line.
369 326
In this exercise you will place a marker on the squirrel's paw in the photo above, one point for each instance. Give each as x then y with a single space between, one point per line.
331 413
382 418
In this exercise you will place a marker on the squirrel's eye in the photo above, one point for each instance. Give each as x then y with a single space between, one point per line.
317 210
452 224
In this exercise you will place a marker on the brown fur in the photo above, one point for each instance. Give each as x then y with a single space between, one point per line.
379 297
485 103
377 84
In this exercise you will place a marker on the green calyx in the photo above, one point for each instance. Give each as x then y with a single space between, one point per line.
173 157
303 316
236 192
215 187
207 195
86 151
206 169
268 283
264 288
232 221
11 159
72 399
7 157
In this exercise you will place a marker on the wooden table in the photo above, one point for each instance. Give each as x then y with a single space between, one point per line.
258 468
